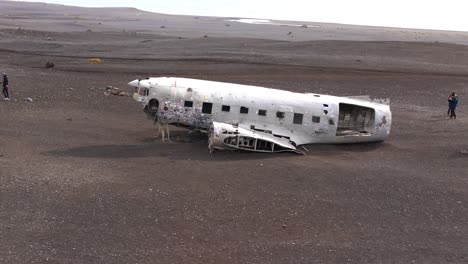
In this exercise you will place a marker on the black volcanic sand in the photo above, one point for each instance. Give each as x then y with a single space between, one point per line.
83 180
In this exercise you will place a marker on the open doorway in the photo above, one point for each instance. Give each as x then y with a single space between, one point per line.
152 108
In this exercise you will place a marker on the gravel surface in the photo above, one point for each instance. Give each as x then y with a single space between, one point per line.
83 180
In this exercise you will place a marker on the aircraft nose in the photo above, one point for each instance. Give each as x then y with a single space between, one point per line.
134 83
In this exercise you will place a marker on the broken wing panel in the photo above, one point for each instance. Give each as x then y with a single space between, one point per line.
226 136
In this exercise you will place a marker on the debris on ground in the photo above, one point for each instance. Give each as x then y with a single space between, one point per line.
97 60
49 65
28 99
464 152
115 91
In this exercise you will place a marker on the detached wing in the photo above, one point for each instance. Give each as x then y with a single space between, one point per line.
226 136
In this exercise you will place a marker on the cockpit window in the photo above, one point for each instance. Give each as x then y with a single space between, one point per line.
144 91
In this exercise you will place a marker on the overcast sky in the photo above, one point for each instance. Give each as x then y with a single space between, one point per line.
426 14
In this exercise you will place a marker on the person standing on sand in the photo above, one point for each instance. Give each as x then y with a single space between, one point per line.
453 102
5 87
449 100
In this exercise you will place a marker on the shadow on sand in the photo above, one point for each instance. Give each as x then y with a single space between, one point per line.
198 151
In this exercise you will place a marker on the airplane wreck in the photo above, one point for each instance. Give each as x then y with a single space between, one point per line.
252 118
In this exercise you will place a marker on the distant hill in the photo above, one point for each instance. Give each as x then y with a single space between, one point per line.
61 18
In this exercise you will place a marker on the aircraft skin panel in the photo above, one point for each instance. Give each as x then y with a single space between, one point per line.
296 117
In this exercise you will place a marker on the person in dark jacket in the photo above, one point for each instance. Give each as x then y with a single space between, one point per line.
5 87
453 102
449 100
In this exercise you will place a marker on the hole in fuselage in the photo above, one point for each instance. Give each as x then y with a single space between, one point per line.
355 120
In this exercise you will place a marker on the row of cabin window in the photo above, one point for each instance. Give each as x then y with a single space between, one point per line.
208 107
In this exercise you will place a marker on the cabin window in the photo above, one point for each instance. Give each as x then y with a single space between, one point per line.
262 112
206 108
244 110
225 108
188 104
298 119
280 114
315 119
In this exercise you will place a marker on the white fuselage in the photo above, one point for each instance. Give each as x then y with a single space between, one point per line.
301 118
